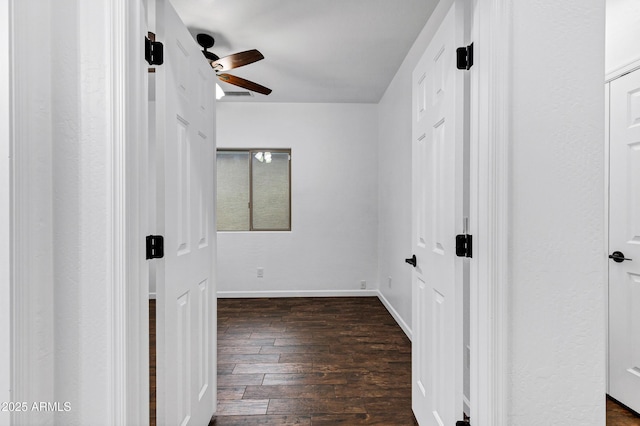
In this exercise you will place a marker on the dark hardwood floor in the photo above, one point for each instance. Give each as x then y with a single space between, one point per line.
619 415
315 361
311 361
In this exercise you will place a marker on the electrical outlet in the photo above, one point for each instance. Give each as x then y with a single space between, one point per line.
363 284
260 272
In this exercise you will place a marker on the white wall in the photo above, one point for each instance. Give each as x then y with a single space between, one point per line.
622 34
81 204
32 283
5 212
557 262
394 180
333 243
63 144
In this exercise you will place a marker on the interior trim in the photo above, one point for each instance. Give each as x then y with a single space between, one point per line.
605 259
296 293
491 128
623 70
128 299
403 325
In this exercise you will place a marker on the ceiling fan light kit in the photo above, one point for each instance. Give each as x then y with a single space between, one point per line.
219 92
232 61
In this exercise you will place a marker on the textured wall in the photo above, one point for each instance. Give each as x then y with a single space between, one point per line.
333 244
5 229
32 150
62 146
80 133
557 264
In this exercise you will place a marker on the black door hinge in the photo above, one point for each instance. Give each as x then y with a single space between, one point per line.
155 246
463 245
465 57
153 51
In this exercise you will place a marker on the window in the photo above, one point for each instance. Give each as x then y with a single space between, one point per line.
254 190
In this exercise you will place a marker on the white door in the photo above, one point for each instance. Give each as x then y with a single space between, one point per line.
437 215
624 237
185 141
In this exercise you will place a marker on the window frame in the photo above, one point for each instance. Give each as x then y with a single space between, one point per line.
252 152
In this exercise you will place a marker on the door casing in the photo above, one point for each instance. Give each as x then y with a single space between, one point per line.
489 209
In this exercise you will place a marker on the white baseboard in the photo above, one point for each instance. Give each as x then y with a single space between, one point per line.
152 296
317 293
297 293
403 325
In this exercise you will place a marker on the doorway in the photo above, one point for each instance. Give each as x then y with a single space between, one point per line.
622 61
623 135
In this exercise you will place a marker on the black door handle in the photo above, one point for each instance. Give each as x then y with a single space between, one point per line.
618 257
412 261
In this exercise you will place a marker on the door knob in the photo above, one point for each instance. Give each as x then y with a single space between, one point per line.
412 261
618 257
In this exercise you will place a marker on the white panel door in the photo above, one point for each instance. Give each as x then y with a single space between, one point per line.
624 237
437 209
185 138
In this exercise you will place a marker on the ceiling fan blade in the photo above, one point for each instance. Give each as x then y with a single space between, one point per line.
237 60
246 84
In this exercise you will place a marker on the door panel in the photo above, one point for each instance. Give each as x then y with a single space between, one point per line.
420 337
437 184
624 236
185 140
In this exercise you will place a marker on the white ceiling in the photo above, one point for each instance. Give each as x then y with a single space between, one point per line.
315 50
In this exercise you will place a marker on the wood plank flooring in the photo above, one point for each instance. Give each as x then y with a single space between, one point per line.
311 361
329 361
619 415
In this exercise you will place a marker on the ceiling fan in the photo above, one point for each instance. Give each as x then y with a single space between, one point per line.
235 60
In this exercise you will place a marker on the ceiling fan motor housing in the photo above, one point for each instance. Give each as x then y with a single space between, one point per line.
206 41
